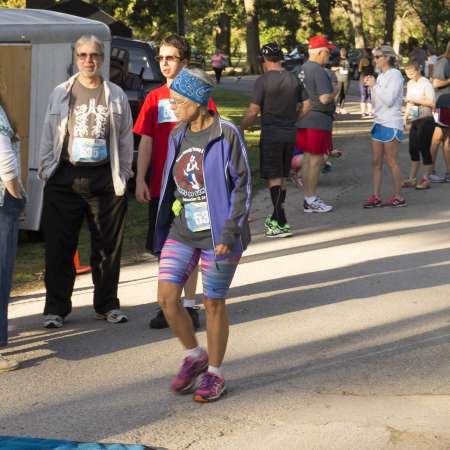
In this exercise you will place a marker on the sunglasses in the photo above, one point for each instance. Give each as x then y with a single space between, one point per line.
169 58
84 56
173 101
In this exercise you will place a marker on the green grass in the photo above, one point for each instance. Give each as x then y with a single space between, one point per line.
232 105
30 255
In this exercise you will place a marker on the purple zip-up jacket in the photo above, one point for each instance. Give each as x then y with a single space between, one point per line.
227 179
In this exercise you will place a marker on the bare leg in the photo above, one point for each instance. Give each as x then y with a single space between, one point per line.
190 286
435 141
427 171
217 330
177 317
311 173
363 108
377 166
391 151
414 169
446 147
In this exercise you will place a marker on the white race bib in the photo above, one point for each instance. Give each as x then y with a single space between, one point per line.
86 150
197 216
165 112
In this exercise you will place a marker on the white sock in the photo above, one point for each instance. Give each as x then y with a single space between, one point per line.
194 353
216 371
187 303
309 200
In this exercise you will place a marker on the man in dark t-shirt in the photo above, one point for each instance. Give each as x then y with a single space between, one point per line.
280 98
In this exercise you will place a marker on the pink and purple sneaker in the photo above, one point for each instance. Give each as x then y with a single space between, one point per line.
211 388
190 370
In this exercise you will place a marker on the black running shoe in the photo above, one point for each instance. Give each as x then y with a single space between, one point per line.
159 322
193 312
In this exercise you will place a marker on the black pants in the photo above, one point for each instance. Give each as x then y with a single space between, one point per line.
342 89
152 213
70 195
420 136
218 73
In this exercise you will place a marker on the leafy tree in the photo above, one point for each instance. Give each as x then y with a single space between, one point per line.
435 16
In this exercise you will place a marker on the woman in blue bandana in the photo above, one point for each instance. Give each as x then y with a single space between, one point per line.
202 216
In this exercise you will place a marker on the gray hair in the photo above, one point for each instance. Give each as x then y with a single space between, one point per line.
389 52
316 51
90 39
202 75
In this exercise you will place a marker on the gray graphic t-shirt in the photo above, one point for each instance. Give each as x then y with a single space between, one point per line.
317 82
192 226
86 141
441 71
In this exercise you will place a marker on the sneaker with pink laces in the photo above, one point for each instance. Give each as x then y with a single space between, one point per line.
186 378
395 202
372 202
211 388
409 183
424 183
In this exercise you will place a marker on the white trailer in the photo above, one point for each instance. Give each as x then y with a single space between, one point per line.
37 54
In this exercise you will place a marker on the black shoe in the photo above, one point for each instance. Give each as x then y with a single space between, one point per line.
193 312
159 321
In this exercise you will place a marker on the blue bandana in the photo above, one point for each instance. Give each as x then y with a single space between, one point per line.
191 87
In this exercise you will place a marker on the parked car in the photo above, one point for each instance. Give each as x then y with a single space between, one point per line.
197 59
135 70
296 57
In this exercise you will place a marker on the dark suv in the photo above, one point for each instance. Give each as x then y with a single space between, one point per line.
134 69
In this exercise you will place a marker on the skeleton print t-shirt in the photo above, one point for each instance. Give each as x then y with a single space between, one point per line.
191 226
87 136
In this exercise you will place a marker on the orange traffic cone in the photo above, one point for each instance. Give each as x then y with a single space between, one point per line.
78 268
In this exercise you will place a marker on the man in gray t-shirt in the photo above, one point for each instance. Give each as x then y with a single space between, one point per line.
441 84
314 129
279 97
86 142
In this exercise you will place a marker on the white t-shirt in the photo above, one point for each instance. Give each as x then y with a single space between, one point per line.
430 61
387 99
422 89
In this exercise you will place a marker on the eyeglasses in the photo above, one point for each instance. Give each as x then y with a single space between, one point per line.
378 56
176 102
84 56
169 58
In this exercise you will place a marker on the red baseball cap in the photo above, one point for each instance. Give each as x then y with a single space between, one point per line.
319 42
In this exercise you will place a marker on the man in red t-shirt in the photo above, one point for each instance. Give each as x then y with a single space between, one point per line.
155 122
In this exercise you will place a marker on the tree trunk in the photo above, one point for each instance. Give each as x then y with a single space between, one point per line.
325 12
223 36
390 19
398 34
356 17
252 36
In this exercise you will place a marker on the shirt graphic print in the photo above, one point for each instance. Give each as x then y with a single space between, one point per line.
188 175
88 126
96 127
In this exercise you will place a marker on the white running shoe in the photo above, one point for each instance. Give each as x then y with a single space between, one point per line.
435 178
317 206
113 316
6 365
53 321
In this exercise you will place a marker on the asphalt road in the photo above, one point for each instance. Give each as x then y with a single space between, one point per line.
340 337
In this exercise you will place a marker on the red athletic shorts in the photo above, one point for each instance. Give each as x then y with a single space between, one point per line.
311 140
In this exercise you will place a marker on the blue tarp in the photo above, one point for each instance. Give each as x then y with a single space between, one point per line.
21 443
